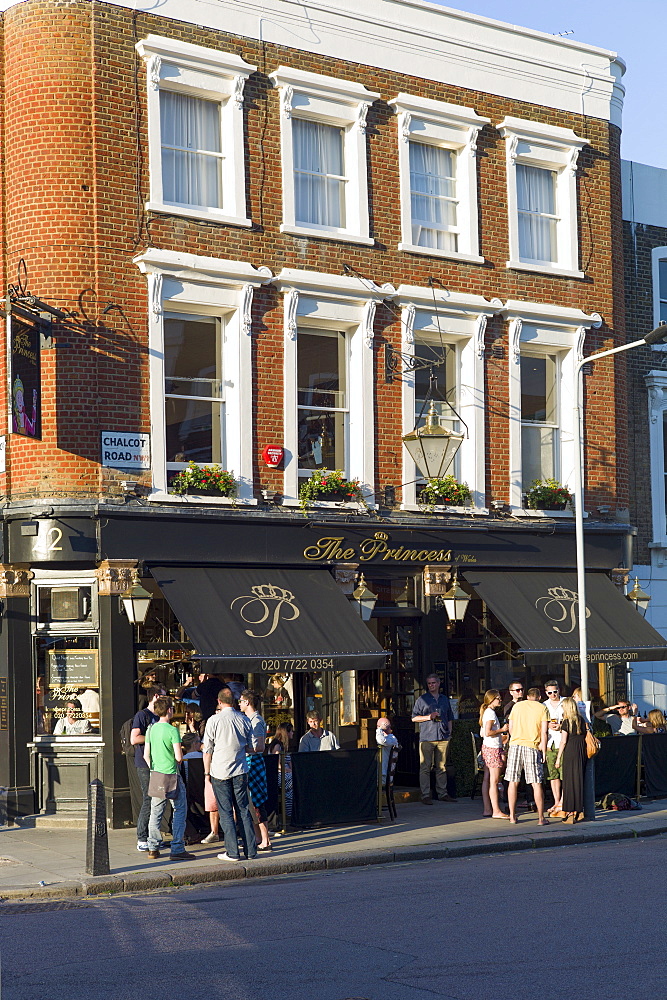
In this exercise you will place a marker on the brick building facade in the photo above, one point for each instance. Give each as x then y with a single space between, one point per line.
216 202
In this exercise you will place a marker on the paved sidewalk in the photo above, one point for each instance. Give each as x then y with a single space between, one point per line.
30 856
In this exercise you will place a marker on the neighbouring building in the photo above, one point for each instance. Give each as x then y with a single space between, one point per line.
237 227
645 242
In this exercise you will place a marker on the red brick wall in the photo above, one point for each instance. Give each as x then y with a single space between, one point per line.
76 178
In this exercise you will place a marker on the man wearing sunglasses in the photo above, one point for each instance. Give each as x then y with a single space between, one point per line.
554 708
623 724
515 695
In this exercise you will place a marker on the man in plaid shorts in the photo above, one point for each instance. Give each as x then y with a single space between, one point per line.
527 750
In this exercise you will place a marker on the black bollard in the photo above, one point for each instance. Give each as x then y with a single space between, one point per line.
97 844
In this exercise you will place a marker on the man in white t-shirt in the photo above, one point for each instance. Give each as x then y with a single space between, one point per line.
554 707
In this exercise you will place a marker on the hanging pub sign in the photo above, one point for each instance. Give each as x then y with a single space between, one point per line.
25 383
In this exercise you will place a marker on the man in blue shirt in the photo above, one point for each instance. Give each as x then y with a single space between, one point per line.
434 714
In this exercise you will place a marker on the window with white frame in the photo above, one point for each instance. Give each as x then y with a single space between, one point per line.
545 342
322 399
328 370
540 378
193 391
656 383
541 165
448 327
200 349
438 177
659 255
195 130
323 144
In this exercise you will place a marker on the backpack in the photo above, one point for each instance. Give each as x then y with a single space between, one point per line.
124 736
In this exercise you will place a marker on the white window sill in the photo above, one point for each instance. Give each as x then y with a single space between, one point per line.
525 512
161 497
545 268
440 509
84 742
327 234
465 258
330 504
191 212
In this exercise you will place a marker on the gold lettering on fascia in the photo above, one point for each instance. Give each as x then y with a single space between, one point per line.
379 548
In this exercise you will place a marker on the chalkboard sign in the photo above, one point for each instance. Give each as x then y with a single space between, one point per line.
73 668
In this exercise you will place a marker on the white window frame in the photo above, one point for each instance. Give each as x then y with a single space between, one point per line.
658 254
553 330
188 283
450 127
211 75
328 101
312 299
656 383
557 357
462 319
550 148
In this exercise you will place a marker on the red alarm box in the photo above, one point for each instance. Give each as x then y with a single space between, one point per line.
273 455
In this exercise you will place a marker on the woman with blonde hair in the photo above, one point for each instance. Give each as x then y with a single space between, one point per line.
572 759
656 722
493 754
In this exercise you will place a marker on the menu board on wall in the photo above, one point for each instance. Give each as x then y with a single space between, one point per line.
75 668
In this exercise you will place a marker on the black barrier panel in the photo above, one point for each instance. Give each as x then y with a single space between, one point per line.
616 766
335 786
273 802
654 756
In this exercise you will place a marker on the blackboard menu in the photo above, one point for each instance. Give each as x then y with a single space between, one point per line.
73 668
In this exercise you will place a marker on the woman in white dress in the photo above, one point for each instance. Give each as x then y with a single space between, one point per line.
493 754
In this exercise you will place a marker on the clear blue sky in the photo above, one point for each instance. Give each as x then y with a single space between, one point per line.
635 29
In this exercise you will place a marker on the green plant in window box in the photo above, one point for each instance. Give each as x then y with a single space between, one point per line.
445 491
204 480
547 494
330 486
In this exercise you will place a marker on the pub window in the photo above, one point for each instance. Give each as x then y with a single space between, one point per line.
322 403
194 397
64 606
67 686
539 418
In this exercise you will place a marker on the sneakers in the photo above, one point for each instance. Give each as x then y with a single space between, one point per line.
212 838
153 855
142 845
183 856
226 857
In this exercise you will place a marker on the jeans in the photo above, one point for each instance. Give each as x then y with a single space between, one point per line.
230 792
180 804
143 773
430 754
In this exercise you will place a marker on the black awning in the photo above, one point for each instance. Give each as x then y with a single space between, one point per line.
540 610
275 620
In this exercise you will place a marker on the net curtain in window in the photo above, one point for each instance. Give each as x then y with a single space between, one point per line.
536 203
191 150
319 183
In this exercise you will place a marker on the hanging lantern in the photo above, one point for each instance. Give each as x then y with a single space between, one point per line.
433 447
455 601
640 600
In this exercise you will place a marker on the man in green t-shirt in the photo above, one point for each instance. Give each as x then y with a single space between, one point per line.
163 754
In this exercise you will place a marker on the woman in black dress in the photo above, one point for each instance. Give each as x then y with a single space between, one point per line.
572 758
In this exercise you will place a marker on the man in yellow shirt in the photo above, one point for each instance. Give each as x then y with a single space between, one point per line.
527 750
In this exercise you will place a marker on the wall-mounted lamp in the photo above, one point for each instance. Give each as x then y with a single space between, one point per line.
455 602
640 600
365 598
135 601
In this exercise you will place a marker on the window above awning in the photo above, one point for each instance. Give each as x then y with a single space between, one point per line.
274 620
540 611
